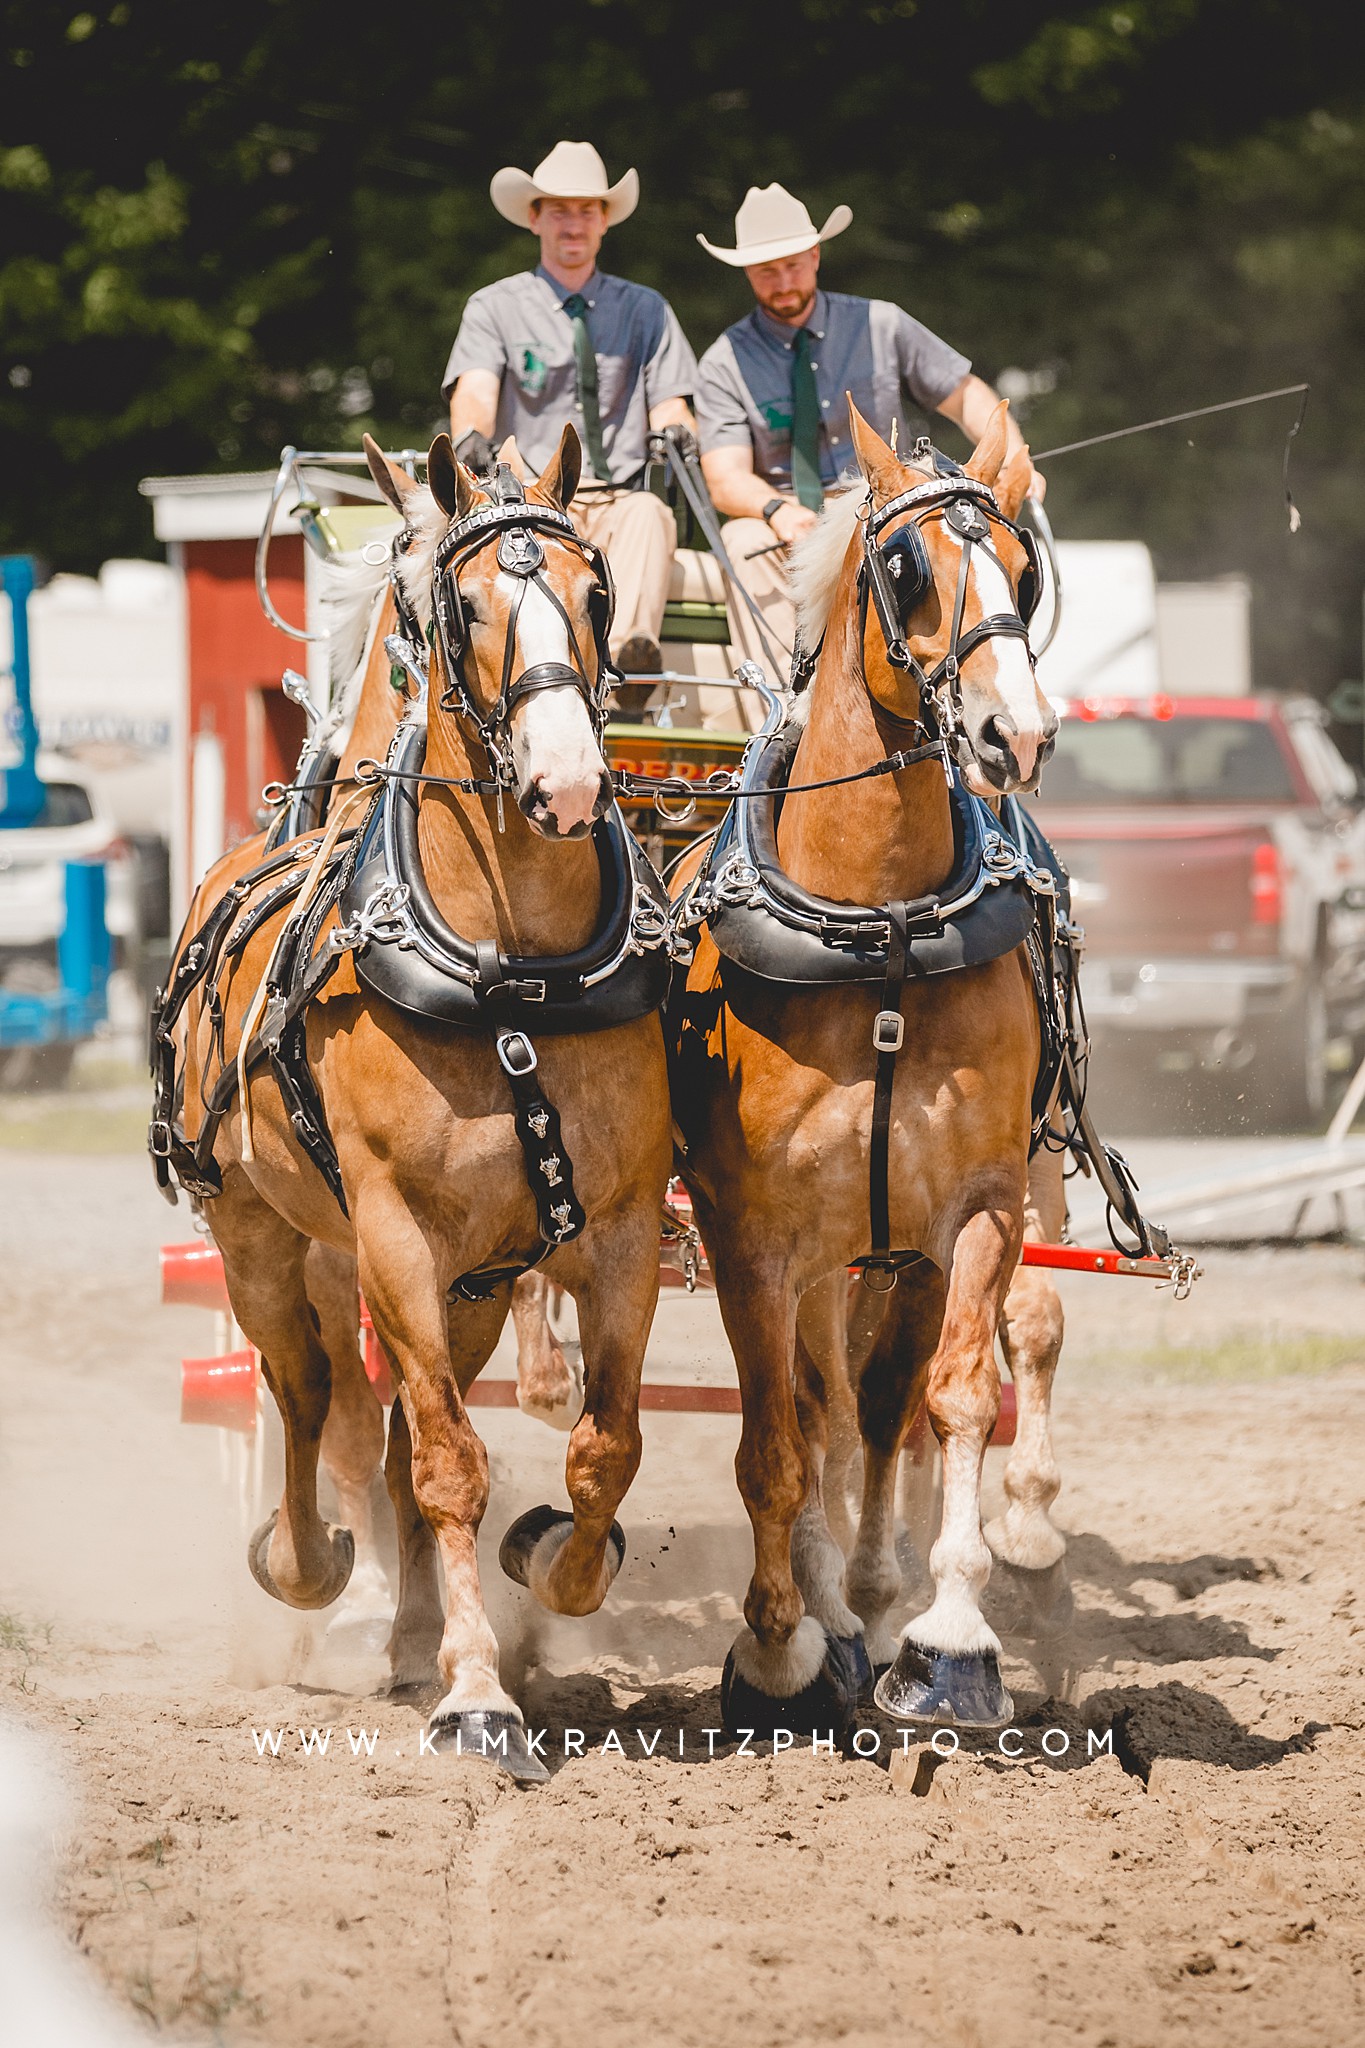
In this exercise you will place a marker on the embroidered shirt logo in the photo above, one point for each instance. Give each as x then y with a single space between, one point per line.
533 373
778 418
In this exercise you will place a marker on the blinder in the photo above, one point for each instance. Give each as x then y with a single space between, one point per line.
897 576
523 532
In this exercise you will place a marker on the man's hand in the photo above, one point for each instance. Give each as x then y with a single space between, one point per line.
477 452
792 522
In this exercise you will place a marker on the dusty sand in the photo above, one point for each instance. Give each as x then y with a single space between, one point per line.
1203 1883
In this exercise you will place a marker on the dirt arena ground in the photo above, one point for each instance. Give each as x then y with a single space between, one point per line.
1202 1883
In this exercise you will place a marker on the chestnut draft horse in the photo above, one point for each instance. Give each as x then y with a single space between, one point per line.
462 981
861 1085
368 693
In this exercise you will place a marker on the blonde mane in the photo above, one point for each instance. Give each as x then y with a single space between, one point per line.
350 594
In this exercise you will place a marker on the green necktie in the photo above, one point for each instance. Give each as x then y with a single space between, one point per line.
805 425
585 362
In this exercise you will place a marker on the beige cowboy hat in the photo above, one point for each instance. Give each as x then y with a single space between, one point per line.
772 224
572 170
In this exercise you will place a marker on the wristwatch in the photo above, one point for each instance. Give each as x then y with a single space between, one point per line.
773 505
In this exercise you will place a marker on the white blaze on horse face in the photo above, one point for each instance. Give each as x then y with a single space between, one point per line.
558 762
1027 723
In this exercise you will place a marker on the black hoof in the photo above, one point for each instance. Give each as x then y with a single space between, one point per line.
495 1738
514 1552
850 1653
824 1707
343 1562
951 1692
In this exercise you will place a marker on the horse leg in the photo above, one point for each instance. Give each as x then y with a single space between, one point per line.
548 1387
1024 1537
419 1619
569 1560
890 1394
783 1670
823 1363
353 1437
947 1667
822 1395
295 1556
437 1359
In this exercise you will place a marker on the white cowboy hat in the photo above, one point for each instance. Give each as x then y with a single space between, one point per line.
771 224
572 170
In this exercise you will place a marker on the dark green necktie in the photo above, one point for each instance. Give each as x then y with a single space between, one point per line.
805 425
585 362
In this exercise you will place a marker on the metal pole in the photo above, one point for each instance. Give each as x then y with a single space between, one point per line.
21 793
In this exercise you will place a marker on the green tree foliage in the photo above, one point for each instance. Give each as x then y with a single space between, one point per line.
225 229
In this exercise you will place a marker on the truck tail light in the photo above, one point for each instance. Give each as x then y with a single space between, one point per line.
1267 893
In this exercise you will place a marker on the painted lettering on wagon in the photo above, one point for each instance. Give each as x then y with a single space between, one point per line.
864 1742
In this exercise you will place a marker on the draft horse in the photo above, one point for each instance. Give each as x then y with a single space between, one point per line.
861 1053
443 1057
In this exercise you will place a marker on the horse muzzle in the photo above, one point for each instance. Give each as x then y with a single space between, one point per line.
564 813
1007 759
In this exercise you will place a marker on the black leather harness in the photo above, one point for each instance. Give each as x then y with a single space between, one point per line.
374 904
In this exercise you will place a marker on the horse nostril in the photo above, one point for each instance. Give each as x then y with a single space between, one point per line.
997 733
605 794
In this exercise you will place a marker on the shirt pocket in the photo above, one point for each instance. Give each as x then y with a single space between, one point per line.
615 383
540 379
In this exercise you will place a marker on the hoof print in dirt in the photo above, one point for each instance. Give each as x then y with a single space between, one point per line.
343 1562
807 1686
950 1692
489 1737
530 1530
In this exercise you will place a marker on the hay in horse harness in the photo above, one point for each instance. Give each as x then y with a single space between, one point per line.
402 947
1007 887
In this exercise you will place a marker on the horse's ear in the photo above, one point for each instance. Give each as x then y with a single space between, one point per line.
511 457
1011 486
885 474
989 452
393 480
559 478
451 484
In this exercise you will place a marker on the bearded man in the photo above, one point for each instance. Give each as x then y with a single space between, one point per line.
772 415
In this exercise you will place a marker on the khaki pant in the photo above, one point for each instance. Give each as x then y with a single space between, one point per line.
636 532
765 579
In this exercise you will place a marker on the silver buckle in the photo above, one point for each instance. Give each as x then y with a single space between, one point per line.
888 1031
509 1041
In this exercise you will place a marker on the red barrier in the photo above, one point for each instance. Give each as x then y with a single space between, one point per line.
220 1390
192 1275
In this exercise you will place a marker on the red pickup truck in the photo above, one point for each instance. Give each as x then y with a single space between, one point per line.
1217 852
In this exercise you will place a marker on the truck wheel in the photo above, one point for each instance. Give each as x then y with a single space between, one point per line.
1295 1057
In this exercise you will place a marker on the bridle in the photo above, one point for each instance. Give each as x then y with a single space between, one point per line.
896 573
523 533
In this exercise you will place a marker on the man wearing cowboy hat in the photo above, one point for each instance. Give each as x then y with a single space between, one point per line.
566 342
772 418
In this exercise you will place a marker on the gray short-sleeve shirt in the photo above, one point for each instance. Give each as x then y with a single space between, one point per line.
518 329
864 346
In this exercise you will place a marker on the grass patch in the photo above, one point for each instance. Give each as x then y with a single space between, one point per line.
1241 1355
24 1638
73 1127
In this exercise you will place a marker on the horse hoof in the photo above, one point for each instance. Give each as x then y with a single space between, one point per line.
491 1737
806 1686
849 1653
949 1692
530 1530
343 1561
